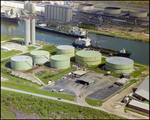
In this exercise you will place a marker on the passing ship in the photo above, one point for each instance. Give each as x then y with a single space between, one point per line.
73 32
86 43
9 16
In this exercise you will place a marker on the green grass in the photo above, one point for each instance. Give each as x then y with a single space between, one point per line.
93 102
9 53
8 37
146 102
31 48
44 107
138 73
50 48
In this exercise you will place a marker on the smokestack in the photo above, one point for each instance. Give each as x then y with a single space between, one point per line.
27 31
32 30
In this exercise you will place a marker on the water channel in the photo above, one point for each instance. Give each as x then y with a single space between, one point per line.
140 51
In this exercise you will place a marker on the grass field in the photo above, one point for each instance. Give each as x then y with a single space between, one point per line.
46 108
4 37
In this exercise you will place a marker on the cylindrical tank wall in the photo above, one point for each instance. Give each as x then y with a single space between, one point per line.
70 12
52 12
55 13
64 14
40 56
60 61
21 65
140 14
112 10
33 7
46 11
67 15
32 31
49 12
85 7
27 31
28 6
58 13
61 14
25 5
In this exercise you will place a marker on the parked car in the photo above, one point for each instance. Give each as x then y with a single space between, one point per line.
59 98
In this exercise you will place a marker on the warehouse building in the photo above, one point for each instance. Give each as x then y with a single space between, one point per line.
85 81
79 73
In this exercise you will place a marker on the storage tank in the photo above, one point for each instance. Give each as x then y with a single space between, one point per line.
40 56
61 14
70 12
52 12
88 57
67 15
21 62
28 6
49 12
112 10
58 12
60 61
27 32
46 11
55 12
64 13
85 7
119 64
32 30
25 5
33 8
65 50
138 13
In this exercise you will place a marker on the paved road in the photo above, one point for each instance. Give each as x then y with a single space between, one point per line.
63 100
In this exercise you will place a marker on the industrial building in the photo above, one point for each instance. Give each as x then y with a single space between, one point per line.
40 56
57 12
122 81
21 62
88 57
86 7
112 10
139 106
138 14
85 80
29 31
65 50
119 64
79 73
142 92
60 61
30 6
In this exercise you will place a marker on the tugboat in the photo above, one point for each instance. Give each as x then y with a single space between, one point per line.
86 43
9 16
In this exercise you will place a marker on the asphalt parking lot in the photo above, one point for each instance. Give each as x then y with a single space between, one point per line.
98 90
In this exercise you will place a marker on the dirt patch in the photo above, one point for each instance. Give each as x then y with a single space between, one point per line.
143 35
21 115
4 78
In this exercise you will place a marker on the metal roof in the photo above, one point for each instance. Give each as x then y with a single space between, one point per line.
79 72
85 79
21 58
39 52
119 60
139 104
87 53
65 47
60 57
143 89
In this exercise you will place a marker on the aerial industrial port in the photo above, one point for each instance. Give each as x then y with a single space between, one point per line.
83 73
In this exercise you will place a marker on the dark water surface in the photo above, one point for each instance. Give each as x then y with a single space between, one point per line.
140 51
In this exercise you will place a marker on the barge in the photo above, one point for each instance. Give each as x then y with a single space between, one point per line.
74 32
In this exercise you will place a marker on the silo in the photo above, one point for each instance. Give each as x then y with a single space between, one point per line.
67 15
65 50
33 8
25 5
64 13
55 12
88 57
61 14
58 12
60 61
52 12
32 30
119 64
49 12
28 6
70 13
40 56
46 11
27 31
21 62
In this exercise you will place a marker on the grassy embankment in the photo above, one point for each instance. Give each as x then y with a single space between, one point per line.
46 108
4 37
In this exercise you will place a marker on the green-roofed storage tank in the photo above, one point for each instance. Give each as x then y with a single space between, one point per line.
119 64
40 56
60 61
21 62
65 50
88 57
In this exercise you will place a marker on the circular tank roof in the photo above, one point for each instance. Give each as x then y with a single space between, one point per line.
21 58
86 4
60 57
84 53
65 47
112 8
119 60
39 52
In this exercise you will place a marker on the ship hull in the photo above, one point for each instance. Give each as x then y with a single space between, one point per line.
57 32
14 20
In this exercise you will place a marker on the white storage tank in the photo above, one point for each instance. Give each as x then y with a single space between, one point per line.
119 64
64 13
28 6
67 15
58 12
33 7
52 12
138 14
55 12
112 10
25 5
65 50
85 7
49 12
46 11
61 13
